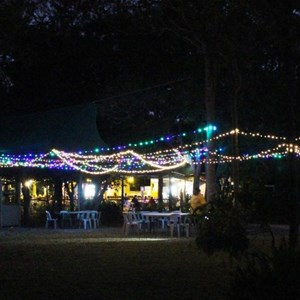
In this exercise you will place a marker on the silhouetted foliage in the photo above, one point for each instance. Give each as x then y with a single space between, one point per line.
111 213
268 276
222 227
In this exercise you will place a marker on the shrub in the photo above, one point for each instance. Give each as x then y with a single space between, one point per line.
263 276
38 214
111 213
222 227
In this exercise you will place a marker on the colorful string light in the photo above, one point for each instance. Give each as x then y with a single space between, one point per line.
122 162
150 142
130 161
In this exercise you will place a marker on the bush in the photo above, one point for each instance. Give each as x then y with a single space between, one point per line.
222 227
38 214
111 213
263 276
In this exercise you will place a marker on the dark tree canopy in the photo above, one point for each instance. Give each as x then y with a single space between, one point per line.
143 62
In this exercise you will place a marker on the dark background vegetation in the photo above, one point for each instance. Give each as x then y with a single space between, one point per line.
133 59
152 67
144 64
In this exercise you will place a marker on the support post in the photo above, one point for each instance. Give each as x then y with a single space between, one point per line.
80 193
160 190
1 203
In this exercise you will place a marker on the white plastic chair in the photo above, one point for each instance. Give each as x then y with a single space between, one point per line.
163 221
50 220
95 218
130 222
181 223
173 222
146 221
85 219
65 218
184 223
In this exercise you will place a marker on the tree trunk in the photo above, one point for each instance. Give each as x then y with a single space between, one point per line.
293 202
27 199
235 168
197 173
57 205
160 190
171 204
103 189
235 123
70 188
95 201
80 193
293 196
210 88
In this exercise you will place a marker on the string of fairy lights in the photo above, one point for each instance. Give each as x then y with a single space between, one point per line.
126 159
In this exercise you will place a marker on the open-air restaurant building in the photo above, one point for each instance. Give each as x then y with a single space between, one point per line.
33 165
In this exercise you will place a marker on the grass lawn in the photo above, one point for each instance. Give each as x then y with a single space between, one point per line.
40 264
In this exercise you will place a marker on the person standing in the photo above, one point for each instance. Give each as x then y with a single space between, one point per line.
197 201
136 203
